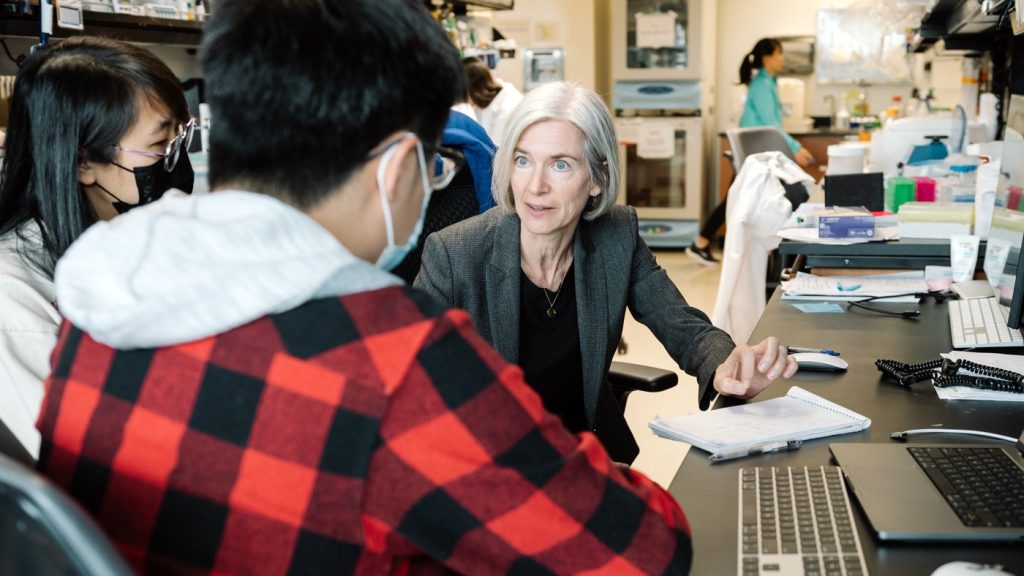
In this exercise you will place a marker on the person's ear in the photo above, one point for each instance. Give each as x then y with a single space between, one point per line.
86 173
393 171
595 188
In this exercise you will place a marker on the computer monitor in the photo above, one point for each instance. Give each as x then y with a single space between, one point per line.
1003 261
1004 256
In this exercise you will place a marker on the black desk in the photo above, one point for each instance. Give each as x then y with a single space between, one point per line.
914 253
708 493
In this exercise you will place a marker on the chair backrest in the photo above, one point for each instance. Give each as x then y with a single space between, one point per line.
42 531
452 204
747 141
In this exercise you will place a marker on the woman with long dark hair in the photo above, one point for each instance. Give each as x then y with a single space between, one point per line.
493 99
96 128
762 108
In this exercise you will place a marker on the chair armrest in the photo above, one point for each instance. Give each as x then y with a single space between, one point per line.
627 377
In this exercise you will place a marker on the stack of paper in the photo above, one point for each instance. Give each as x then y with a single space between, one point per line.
891 287
799 415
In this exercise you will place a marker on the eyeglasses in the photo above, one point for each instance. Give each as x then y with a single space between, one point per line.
447 164
183 139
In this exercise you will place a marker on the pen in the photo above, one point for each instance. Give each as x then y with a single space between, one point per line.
781 446
797 349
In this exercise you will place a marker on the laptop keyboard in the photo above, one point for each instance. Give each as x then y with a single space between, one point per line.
984 486
797 520
981 323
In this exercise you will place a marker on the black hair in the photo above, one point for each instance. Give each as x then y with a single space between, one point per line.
481 85
764 47
302 90
71 103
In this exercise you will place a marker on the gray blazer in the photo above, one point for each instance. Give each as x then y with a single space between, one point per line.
475 265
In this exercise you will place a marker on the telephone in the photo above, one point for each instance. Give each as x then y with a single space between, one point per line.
944 372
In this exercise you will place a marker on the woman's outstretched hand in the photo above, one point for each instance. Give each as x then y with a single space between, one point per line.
750 369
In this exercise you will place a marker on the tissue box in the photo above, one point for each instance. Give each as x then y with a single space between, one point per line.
851 222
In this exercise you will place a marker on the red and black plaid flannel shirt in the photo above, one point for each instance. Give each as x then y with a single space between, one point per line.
372 433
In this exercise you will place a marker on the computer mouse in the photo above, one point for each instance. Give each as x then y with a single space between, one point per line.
969 569
818 362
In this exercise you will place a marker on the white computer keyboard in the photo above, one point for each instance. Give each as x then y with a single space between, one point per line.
981 323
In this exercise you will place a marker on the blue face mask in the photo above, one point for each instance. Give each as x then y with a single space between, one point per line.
393 254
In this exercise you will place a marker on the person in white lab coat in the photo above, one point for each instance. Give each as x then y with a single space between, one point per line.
493 99
757 209
91 123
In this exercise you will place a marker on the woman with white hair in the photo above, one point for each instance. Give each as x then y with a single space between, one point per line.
548 274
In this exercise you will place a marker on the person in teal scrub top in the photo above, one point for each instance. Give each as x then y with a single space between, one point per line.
762 108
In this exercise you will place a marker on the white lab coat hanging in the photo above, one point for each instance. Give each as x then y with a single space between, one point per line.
756 211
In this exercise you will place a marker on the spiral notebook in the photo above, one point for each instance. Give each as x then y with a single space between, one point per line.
799 415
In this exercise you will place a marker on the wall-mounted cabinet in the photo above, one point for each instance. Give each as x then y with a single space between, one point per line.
656 40
138 29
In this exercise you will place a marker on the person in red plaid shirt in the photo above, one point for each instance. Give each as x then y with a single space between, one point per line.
241 387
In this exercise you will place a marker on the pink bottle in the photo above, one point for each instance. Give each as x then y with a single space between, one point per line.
1013 203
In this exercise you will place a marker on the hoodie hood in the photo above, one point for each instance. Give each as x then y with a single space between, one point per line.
189 267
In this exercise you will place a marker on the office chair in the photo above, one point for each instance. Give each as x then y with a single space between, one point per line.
43 531
624 378
452 204
747 141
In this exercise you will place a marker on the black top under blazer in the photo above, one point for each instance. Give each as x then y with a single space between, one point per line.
475 265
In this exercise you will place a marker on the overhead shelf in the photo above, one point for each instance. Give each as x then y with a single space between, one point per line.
962 24
489 4
126 27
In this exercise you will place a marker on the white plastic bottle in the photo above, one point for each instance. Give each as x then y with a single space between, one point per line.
843 118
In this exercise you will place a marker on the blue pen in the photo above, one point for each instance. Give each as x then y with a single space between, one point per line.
797 349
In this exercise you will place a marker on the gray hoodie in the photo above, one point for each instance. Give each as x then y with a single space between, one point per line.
189 267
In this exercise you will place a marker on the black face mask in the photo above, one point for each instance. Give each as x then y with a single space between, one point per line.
153 180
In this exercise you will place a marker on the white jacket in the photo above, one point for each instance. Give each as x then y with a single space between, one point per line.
28 332
756 211
495 116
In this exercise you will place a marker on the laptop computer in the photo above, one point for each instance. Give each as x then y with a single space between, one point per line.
902 501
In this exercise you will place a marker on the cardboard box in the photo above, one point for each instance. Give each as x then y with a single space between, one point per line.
851 222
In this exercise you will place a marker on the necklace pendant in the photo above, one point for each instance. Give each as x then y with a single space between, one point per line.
551 312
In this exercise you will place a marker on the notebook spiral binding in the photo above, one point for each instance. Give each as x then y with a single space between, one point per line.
946 373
